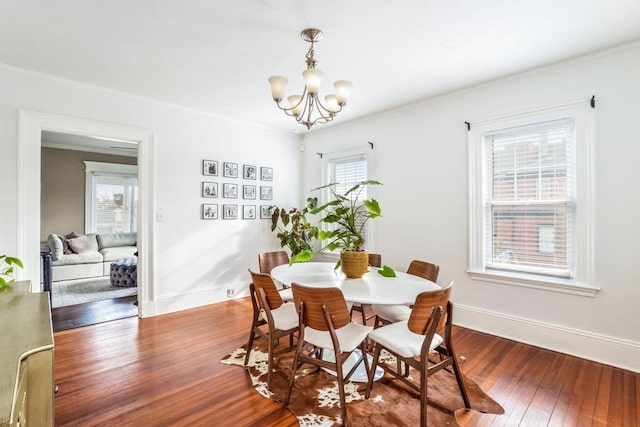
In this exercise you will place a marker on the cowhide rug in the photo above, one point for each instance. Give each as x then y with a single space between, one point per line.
315 400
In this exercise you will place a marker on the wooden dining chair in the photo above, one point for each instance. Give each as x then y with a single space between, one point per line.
375 260
385 314
428 329
325 324
267 261
281 319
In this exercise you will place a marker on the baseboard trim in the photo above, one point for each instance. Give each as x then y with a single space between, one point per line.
183 301
612 351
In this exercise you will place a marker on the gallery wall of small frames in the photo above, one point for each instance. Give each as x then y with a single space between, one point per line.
251 185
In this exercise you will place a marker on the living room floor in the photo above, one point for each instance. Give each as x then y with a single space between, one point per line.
75 316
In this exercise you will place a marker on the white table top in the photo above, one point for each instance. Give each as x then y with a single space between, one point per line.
372 288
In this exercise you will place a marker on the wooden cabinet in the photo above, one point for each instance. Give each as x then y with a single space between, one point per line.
26 360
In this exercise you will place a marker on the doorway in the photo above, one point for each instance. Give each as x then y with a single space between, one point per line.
32 126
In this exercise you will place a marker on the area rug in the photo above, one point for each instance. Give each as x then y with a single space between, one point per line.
315 398
72 292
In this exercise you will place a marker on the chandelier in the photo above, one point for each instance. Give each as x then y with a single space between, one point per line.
307 108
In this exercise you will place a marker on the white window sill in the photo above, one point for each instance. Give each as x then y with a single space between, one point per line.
528 281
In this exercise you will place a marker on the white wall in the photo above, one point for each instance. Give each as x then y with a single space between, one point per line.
421 158
195 261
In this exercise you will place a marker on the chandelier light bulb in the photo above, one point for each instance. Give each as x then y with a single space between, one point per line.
278 83
331 102
343 91
312 80
295 104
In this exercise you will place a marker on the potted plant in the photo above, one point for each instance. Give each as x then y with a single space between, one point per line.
7 264
294 231
348 214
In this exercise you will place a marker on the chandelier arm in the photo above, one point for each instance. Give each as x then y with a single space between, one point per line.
288 110
325 109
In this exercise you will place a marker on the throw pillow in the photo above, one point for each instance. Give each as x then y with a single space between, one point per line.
80 244
65 242
72 235
65 245
55 246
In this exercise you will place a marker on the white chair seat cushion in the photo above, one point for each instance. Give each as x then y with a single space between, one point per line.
392 313
285 317
349 336
286 294
398 338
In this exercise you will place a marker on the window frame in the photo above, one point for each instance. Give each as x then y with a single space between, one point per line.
332 157
583 280
104 169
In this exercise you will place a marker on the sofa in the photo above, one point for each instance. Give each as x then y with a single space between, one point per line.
76 256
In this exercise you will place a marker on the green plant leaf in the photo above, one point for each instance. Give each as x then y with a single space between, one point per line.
373 207
303 256
387 271
11 260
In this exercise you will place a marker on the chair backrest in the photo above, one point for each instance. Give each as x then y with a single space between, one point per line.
423 307
375 260
268 260
424 269
265 282
313 299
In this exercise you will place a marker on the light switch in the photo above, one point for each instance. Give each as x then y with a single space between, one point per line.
159 215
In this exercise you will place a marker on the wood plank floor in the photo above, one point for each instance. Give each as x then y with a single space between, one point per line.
166 371
90 313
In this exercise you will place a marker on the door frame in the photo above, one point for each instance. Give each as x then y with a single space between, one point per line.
31 125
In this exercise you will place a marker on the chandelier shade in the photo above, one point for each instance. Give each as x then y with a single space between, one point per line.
307 108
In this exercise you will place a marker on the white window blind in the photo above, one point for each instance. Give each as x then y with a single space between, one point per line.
347 171
111 197
116 198
530 198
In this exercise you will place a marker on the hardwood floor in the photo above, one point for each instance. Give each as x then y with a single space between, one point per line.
90 313
166 370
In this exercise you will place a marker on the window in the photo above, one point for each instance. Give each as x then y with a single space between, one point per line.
530 208
347 168
111 198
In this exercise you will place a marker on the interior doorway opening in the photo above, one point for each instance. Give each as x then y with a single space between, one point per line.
33 125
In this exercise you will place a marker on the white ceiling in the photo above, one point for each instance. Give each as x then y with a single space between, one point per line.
216 55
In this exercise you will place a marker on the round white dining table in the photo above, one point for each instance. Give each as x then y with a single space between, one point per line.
372 288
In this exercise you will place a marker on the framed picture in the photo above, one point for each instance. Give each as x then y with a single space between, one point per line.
248 191
209 211
229 191
249 212
230 170
266 174
209 189
266 193
210 167
229 211
266 211
249 172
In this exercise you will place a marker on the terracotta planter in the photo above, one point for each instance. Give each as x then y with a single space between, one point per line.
355 263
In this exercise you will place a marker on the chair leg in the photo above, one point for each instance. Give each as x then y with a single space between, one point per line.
252 336
372 374
294 368
424 378
364 317
270 359
458 374
365 359
343 400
